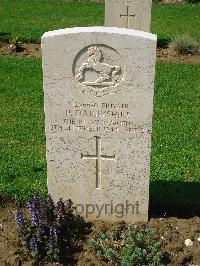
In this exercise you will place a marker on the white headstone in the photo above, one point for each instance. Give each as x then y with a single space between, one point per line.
98 85
132 14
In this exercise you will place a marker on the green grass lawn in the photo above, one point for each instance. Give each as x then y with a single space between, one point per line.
172 20
22 140
30 19
175 151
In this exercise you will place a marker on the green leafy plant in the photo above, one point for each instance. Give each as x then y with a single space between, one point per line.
103 247
49 232
15 44
129 247
184 45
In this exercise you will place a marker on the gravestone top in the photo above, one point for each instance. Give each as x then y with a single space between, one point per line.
132 14
98 88
112 30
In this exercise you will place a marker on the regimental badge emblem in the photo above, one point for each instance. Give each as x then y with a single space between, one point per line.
98 70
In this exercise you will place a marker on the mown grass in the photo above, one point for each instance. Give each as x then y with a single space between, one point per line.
175 151
30 19
172 20
22 140
175 165
175 154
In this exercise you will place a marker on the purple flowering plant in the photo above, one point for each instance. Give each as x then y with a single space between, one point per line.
49 232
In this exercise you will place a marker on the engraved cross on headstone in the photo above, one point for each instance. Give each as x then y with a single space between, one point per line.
98 157
127 15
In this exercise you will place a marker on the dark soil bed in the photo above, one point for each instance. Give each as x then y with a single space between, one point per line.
34 50
26 50
172 231
163 54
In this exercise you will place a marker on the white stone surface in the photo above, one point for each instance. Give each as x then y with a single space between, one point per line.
98 87
132 14
188 243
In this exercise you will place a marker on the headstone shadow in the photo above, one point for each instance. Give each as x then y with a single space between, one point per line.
4 36
163 43
178 199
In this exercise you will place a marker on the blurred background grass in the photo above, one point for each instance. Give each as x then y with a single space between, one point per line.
28 20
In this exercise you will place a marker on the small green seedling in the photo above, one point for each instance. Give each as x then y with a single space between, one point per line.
15 44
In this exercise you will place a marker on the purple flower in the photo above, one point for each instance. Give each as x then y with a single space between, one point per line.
59 218
36 199
19 218
53 240
53 234
50 202
55 231
40 231
34 208
33 245
69 204
48 211
34 212
30 206
50 245
60 213
60 206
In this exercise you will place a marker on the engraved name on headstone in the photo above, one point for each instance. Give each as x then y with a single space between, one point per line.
98 87
131 14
